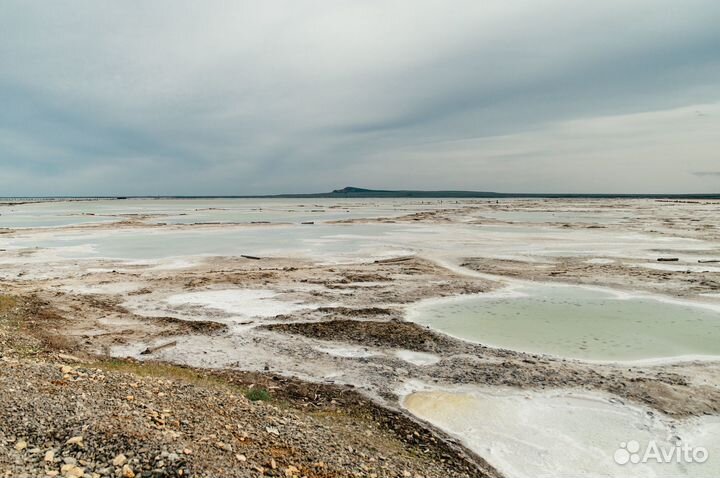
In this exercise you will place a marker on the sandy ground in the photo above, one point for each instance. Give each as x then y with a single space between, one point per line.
343 324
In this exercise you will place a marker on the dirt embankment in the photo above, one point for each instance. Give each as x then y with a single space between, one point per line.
63 415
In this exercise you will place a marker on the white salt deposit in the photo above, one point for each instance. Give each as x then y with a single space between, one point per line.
417 358
242 302
107 288
565 433
599 260
346 351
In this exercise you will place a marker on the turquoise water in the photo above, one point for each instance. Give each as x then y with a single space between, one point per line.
577 322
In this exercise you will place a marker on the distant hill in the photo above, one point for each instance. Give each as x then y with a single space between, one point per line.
355 192
351 191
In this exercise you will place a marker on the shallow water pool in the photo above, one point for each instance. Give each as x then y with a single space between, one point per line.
327 242
578 322
529 434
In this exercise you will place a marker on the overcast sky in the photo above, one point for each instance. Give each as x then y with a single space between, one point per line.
239 97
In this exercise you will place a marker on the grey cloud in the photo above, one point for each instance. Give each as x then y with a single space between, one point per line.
224 97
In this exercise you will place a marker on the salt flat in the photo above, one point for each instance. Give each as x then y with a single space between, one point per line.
557 311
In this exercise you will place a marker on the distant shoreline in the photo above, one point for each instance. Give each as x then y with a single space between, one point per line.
352 192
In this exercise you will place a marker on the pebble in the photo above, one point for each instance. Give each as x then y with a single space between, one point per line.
127 472
71 471
224 446
74 440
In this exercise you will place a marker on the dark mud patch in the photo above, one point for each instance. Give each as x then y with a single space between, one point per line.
361 312
393 334
181 326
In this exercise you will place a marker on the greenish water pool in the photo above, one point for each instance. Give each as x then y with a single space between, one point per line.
578 322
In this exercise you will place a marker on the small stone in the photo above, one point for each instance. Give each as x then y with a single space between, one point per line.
52 473
74 440
20 445
69 358
224 446
119 460
49 456
240 457
406 473
68 460
66 369
71 471
127 472
273 465
187 451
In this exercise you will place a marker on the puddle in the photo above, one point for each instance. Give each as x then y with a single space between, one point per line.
578 322
320 241
564 433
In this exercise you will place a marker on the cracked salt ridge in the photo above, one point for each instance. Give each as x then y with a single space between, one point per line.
454 316
562 432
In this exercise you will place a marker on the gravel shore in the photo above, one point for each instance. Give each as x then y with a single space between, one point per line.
62 415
